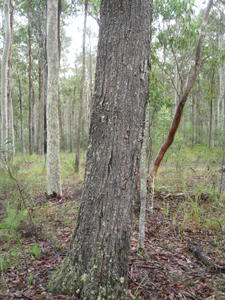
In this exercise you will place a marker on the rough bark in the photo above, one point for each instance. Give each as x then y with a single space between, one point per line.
11 143
77 159
184 94
96 264
4 68
53 160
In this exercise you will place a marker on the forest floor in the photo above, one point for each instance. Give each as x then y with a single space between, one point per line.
185 234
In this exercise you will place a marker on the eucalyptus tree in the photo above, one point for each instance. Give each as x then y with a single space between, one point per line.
96 264
11 140
77 159
184 93
53 159
4 69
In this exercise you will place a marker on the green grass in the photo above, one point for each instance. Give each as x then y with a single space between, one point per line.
191 171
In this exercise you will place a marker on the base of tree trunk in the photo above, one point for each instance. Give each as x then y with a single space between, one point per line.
71 280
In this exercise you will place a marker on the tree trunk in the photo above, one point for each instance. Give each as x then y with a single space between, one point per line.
59 51
193 120
184 93
77 159
21 115
11 141
96 264
33 118
45 98
30 83
211 112
41 103
4 68
53 160
221 110
143 188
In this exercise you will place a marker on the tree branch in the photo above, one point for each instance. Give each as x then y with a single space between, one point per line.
190 82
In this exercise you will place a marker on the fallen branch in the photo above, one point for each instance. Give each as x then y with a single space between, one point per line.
197 252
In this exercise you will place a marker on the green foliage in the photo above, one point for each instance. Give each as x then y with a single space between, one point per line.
30 278
3 263
35 250
10 224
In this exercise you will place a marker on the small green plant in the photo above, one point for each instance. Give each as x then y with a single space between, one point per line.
30 278
3 263
138 289
35 250
10 224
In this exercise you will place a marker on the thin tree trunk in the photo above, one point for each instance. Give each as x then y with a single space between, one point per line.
221 108
21 115
198 114
143 188
4 68
45 98
90 84
96 265
211 113
11 142
34 135
193 120
59 51
30 83
53 147
40 106
210 123
184 95
77 159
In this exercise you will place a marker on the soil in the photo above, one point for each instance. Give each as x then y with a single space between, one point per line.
167 270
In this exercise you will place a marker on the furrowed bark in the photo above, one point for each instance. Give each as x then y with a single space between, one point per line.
96 263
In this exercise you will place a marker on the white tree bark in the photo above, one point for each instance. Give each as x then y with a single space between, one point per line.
53 159
4 69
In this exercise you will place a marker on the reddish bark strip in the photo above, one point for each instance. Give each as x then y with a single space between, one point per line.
184 96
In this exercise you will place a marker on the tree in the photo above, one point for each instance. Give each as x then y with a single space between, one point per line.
184 93
4 69
77 160
30 119
96 264
53 160
9 92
